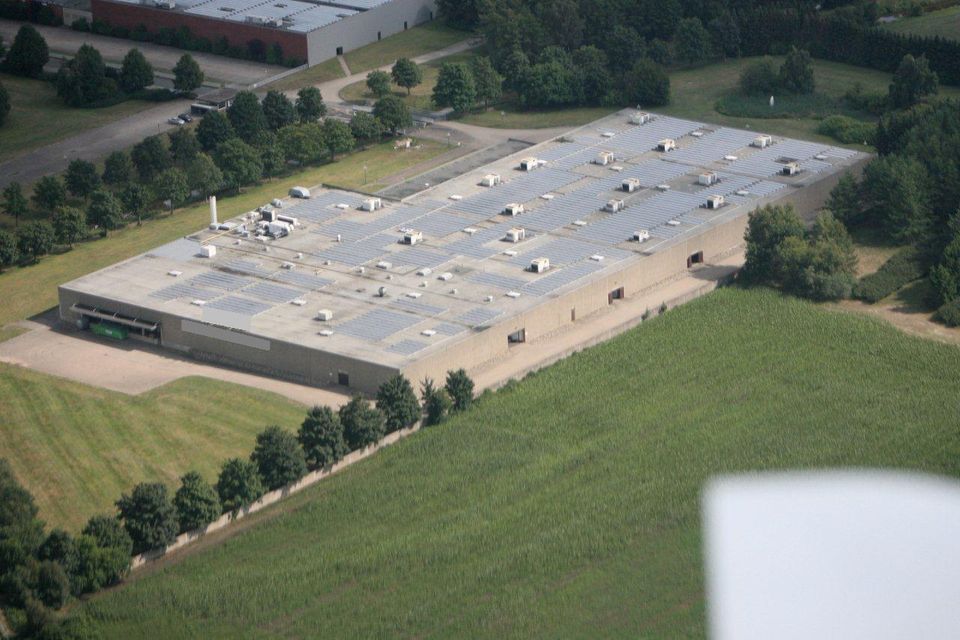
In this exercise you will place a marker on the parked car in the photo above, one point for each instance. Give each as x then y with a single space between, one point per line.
175 120
186 117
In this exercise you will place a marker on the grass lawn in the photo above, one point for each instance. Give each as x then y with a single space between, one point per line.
944 23
29 290
420 96
552 510
77 448
323 72
695 92
506 116
406 44
38 117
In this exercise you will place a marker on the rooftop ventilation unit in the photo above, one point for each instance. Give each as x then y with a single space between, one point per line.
513 209
446 276
326 333
513 294
820 156
300 302
613 206
539 265
597 257
428 333
529 164
277 202
673 223
579 223
175 274
343 206
547 196
662 187
630 185
469 231
667 144
456 197
616 168
743 192
608 134
790 169
490 180
641 236
300 192
510 252
708 179
208 251
414 294
714 202
383 264
640 117
371 204
762 142
604 158
165 4
413 237
516 234
730 158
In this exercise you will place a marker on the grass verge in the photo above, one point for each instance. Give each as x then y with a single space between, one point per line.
549 511
406 44
317 74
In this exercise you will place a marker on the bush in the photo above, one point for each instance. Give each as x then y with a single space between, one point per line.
460 388
80 24
847 130
905 266
278 457
949 314
436 403
759 78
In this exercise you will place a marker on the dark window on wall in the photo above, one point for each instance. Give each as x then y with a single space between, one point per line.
343 379
339 51
517 337
378 35
616 294
404 25
695 258
573 315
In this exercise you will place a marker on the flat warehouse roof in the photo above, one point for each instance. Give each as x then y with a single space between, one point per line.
393 303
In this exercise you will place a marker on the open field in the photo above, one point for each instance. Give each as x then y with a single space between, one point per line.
38 117
944 23
77 448
30 290
323 72
694 93
406 44
550 511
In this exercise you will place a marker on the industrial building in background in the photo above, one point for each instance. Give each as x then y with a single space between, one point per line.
307 30
333 287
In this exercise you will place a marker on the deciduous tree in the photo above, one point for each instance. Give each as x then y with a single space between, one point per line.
379 83
337 137
69 225
213 129
278 110
393 114
767 228
365 127
187 74
150 156
278 457
692 42
362 424
796 73
196 502
239 162
238 484
398 403
647 84
28 54
184 145
148 516
247 117
14 202
9 253
203 175
117 168
135 72
310 106
912 81
488 82
171 185
455 87
35 239
321 436
104 211
82 178
406 73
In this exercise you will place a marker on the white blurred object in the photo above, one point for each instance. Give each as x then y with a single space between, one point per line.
833 555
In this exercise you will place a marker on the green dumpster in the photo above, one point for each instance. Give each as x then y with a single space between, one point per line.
109 330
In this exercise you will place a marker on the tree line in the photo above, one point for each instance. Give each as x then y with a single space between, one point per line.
41 571
225 152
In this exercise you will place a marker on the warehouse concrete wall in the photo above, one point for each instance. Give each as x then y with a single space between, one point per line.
363 28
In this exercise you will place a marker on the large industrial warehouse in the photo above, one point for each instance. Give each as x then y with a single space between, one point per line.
349 289
309 30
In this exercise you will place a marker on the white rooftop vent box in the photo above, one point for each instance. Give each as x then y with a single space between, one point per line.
547 196
662 187
277 202
490 180
428 333
597 257
640 117
673 223
414 294
613 206
488 298
730 158
383 264
286 265
579 223
762 142
175 274
515 234
604 158
371 204
425 271
469 231
413 237
529 164
326 333
343 205
790 169
198 303
820 156
708 179
510 252
743 192
324 315
697 134
539 265
513 294
630 185
300 302
446 276
208 251
608 134
513 209
616 168
456 197
641 236
714 202
300 192
667 144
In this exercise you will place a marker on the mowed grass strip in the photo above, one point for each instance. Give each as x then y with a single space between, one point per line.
77 448
38 117
411 43
944 23
29 290
317 74
568 506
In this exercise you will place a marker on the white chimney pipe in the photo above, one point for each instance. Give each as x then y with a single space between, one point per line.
213 211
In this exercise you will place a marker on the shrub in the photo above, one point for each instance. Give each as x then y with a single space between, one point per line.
278 457
905 266
759 78
848 130
460 387
436 403
949 314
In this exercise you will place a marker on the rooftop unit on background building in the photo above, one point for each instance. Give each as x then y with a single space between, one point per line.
630 185
529 164
640 117
641 236
714 202
516 234
300 192
539 265
604 158
613 206
490 180
667 144
708 179
371 204
412 237
790 169
762 142
513 209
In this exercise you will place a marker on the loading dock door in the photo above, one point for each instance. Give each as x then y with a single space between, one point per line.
695 258
343 378
517 337
616 294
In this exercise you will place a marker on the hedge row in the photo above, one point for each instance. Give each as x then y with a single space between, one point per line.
848 130
905 266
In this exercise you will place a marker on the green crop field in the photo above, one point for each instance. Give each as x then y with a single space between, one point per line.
567 504
77 448
413 42
29 290
38 117
944 23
